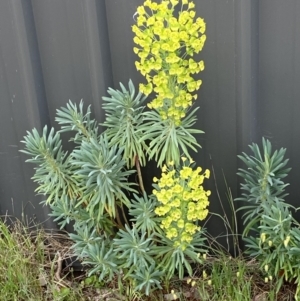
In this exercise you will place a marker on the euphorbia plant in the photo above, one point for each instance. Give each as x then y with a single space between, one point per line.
117 226
271 233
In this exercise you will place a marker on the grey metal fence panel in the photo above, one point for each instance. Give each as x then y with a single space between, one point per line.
279 79
53 51
22 105
74 50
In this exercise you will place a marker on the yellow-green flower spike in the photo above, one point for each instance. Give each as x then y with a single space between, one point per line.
166 42
182 202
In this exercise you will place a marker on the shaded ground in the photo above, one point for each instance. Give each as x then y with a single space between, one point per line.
38 265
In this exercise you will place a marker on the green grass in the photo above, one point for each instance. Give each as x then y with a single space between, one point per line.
19 265
23 262
229 278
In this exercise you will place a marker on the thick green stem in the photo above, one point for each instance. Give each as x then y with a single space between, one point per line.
138 168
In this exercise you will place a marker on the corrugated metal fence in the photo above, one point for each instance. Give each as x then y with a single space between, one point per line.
53 51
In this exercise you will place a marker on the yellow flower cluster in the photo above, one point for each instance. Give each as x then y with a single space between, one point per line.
166 46
183 201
